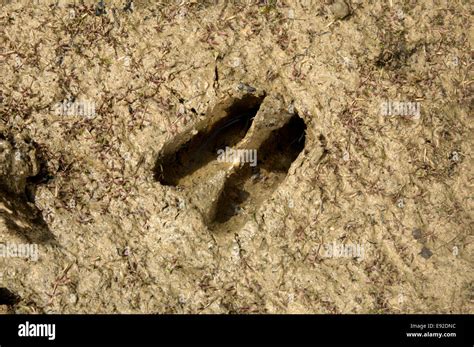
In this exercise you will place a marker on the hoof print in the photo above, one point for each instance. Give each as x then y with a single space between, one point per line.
235 161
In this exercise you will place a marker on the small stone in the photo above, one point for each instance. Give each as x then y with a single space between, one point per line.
100 8
417 234
236 62
255 176
291 14
126 252
400 14
291 108
340 9
129 6
73 299
426 253
246 88
400 203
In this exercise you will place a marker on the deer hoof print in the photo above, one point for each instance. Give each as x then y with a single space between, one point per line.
232 162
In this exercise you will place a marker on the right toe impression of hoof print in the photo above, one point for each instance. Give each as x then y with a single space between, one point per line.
232 162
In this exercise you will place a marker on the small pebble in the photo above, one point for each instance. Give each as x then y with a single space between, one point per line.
100 8
417 234
73 299
129 6
291 108
3 309
246 88
255 176
400 203
340 9
426 253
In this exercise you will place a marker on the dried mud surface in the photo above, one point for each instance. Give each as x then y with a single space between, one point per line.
116 237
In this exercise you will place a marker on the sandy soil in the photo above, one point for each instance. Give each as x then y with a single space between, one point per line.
123 221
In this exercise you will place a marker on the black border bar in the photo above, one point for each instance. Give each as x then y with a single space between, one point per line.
243 329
